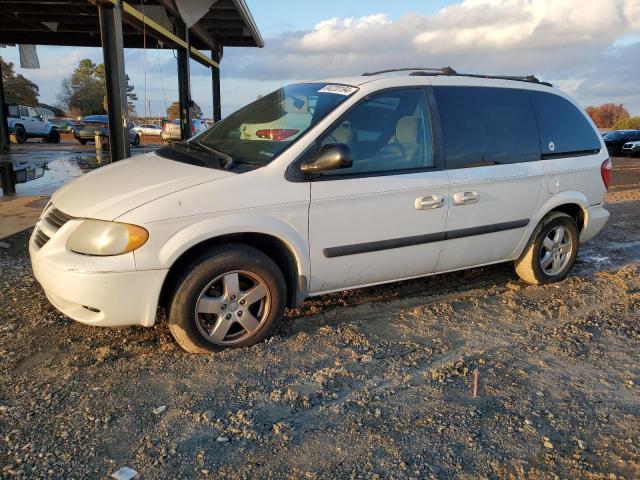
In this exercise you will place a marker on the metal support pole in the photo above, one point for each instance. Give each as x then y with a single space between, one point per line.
113 53
216 55
184 88
7 179
4 127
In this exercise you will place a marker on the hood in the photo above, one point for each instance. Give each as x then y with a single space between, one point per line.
109 192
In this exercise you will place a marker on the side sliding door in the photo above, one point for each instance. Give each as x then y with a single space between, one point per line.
493 162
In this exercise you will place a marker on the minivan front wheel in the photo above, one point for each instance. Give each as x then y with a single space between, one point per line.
231 297
551 251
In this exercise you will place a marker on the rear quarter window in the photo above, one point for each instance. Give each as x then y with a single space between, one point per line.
563 127
14 111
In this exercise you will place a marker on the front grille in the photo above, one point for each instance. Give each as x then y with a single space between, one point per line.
39 239
50 222
57 218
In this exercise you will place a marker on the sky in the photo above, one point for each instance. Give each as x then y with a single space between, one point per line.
588 48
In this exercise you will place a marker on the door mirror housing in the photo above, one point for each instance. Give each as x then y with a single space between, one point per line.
332 156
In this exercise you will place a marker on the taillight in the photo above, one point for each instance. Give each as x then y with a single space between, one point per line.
276 134
193 129
605 171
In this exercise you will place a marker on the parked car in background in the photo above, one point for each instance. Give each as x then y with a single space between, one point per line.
392 178
64 125
85 130
297 115
25 122
631 149
27 170
617 138
148 129
171 130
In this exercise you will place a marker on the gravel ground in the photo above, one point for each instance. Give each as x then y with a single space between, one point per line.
374 383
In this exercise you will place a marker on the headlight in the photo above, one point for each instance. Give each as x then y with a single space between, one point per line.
97 237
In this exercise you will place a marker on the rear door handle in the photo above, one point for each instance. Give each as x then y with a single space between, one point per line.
465 198
429 202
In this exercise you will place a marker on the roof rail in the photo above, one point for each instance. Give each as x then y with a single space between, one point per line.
428 71
442 70
516 78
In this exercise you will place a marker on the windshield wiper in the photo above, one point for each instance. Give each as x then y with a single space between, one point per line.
229 163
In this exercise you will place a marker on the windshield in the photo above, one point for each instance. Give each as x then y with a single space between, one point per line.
259 132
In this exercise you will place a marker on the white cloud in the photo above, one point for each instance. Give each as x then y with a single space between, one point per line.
587 47
335 33
566 41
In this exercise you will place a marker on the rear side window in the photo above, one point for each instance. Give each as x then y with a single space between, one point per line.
487 126
563 128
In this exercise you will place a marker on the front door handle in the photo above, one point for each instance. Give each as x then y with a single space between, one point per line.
465 198
429 202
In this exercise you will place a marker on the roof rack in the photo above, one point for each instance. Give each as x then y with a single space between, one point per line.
443 70
450 71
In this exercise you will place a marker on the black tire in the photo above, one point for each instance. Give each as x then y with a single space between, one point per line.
20 133
529 265
82 141
54 136
187 327
136 141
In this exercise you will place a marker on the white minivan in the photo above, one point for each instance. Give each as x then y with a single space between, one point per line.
393 176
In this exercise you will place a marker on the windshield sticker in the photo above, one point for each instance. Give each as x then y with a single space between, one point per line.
338 89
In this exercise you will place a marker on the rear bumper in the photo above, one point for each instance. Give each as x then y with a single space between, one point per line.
595 218
88 135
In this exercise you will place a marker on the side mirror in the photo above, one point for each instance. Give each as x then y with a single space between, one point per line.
332 156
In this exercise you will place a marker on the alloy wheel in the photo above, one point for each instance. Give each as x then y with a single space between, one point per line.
556 250
232 307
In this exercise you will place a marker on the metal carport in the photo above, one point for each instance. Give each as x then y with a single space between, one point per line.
119 24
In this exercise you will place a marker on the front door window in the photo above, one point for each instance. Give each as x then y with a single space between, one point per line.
389 131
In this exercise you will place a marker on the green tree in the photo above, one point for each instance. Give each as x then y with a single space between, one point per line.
131 95
85 89
18 88
631 123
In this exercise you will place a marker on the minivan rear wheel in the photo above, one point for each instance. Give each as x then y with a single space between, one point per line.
551 251
231 297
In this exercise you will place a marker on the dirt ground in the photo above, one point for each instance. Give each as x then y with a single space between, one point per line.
374 383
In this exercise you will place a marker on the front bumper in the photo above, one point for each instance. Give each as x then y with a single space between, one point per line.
595 218
631 151
100 291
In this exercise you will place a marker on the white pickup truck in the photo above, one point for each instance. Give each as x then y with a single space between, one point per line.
25 122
